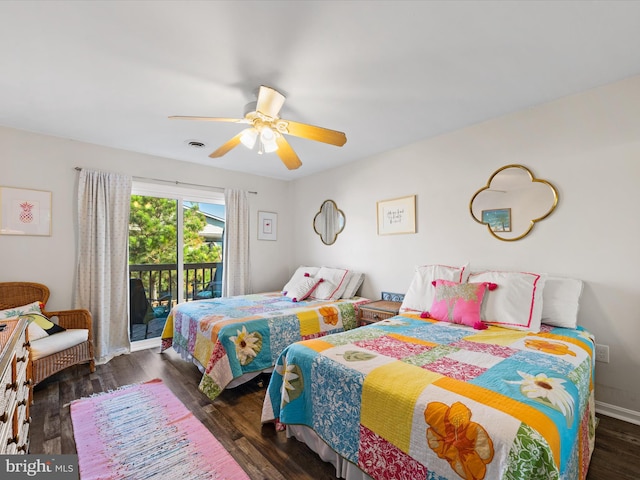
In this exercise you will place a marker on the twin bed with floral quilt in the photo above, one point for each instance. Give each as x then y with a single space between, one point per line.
414 397
234 339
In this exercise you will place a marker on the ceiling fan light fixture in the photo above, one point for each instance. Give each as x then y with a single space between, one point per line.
268 140
248 137
267 131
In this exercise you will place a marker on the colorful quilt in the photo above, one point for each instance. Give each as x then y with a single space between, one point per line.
233 336
411 398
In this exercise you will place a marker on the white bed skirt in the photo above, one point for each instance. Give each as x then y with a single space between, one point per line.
344 468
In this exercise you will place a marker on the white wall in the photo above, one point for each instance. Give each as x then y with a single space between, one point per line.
40 162
587 145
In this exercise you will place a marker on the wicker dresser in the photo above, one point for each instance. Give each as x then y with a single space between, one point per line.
15 388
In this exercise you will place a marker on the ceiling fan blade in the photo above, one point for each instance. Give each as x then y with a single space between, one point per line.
210 119
269 102
231 144
312 132
286 153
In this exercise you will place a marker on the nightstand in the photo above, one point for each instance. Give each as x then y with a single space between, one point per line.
379 310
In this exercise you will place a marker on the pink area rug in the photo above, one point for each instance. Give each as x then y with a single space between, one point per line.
144 432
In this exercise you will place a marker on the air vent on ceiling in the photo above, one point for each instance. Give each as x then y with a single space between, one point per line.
196 144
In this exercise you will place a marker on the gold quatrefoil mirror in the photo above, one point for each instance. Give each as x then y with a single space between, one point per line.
329 222
512 201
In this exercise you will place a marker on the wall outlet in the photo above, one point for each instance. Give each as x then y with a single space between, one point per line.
602 353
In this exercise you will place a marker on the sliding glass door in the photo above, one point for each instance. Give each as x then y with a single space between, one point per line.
175 254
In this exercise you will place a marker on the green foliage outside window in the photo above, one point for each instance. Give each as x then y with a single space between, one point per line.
153 239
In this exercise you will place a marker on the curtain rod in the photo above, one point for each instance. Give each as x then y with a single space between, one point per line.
175 182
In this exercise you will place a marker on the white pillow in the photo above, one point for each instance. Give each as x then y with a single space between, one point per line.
516 303
333 283
303 289
421 291
33 307
298 275
561 300
354 281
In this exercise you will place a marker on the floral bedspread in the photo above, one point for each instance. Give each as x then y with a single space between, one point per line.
236 335
411 398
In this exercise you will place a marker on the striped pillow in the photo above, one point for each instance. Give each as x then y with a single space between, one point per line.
517 302
334 283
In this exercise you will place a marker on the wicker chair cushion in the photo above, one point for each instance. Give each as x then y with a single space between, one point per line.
51 344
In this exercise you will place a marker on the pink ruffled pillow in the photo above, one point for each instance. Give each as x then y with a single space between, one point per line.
459 302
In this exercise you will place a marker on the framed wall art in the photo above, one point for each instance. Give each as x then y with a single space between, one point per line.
267 226
397 215
499 219
25 212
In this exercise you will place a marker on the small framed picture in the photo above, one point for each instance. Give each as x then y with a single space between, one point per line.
267 226
499 219
397 215
25 212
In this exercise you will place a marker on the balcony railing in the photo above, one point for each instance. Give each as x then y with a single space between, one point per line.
161 281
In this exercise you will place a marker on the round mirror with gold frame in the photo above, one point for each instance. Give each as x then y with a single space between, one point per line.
329 222
512 201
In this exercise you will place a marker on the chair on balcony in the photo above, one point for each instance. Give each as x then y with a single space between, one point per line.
213 289
141 310
163 307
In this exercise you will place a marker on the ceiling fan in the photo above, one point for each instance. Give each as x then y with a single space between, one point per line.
267 129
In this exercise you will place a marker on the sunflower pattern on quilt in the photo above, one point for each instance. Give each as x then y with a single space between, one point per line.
419 399
236 335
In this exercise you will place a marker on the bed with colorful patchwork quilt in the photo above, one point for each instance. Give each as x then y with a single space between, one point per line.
412 398
234 337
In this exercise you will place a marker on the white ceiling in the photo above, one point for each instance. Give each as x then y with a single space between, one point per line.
387 73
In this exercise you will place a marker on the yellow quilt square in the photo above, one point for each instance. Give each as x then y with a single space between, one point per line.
390 415
309 323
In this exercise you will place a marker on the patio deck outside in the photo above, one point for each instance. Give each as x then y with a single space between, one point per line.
160 285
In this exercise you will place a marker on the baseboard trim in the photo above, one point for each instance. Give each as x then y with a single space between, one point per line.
620 413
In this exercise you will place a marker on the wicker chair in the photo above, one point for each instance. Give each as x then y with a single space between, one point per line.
15 294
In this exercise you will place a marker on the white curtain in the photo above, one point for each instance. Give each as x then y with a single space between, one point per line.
102 271
236 279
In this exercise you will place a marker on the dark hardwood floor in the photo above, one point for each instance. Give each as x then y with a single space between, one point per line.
234 419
